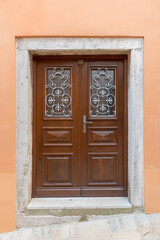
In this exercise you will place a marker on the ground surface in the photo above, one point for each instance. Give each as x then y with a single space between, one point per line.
115 227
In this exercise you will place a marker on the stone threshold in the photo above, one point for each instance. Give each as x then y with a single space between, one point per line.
78 206
79 202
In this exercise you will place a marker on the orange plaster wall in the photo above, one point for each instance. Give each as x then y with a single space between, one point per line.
77 18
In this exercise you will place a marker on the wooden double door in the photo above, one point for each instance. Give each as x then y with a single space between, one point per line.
79 126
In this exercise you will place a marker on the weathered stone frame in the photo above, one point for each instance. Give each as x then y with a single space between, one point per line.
26 47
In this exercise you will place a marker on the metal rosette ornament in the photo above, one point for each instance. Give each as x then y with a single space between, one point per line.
58 94
103 94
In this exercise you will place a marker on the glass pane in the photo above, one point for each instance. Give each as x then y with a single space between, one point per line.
103 93
58 93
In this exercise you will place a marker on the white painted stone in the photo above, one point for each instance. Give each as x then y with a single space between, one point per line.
117 227
94 230
26 47
25 221
141 220
114 225
127 236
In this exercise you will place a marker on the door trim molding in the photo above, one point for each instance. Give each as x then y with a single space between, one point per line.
25 49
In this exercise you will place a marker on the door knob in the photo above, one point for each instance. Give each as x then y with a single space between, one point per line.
84 123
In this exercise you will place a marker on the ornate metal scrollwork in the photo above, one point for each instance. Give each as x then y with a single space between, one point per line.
103 94
58 97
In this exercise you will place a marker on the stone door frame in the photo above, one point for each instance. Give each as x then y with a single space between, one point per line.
25 49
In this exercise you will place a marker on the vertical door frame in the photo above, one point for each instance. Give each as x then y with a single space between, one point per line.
26 48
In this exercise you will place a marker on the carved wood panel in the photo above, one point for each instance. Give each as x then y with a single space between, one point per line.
57 169
102 168
57 136
102 136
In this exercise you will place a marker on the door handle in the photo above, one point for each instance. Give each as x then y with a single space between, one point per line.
84 123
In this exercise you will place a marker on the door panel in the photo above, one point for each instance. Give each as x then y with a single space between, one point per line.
103 159
57 128
57 136
69 160
57 169
102 136
102 168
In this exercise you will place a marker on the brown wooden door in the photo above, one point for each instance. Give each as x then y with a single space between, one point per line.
79 126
